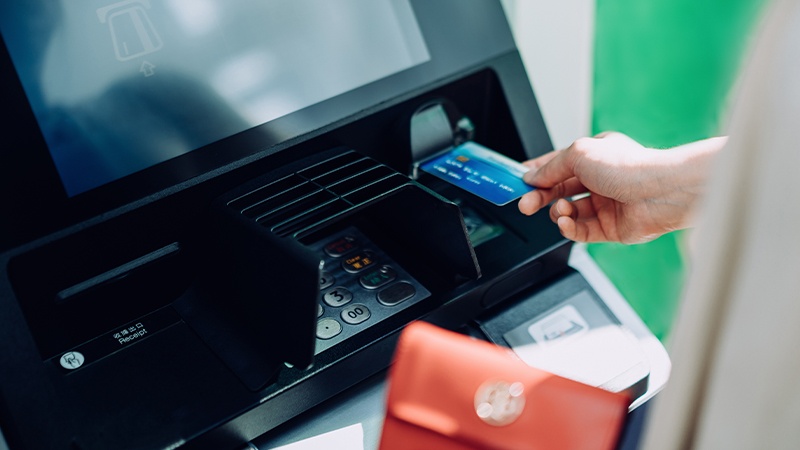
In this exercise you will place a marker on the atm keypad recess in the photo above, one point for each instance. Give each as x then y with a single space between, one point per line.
360 285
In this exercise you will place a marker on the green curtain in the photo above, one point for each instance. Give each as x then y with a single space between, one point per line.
663 72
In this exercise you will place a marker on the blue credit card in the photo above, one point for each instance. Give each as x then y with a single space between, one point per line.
481 171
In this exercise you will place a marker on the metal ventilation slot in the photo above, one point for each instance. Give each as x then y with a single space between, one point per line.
346 172
311 218
329 165
317 193
265 192
280 200
376 189
295 209
359 181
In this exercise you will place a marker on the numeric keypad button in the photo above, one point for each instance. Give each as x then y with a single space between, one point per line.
355 314
326 280
357 262
337 296
341 246
377 278
328 328
396 293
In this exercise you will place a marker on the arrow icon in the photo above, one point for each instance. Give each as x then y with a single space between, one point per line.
147 68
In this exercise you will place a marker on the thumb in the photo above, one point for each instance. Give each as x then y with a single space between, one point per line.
557 170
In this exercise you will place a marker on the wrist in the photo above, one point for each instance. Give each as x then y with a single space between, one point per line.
680 179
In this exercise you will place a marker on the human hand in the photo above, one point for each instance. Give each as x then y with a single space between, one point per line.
635 194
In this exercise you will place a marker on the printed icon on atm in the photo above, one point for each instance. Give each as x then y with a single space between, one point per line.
132 31
560 326
564 324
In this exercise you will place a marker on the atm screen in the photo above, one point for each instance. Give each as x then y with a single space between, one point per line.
118 87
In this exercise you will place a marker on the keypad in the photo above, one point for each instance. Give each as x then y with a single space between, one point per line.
360 285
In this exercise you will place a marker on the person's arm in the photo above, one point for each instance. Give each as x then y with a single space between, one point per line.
635 194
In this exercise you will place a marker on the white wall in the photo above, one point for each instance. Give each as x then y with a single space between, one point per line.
556 41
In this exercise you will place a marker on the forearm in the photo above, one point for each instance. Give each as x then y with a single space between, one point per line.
680 180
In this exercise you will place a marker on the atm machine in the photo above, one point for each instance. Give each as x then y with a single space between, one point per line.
214 218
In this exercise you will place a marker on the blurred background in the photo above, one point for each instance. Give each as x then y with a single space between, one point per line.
658 70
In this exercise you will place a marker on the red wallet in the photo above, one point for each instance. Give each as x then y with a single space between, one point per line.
449 391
